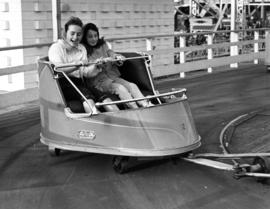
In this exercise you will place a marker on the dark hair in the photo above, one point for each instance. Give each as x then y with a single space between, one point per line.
73 21
100 42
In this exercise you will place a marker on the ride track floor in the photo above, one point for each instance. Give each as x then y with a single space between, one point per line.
30 178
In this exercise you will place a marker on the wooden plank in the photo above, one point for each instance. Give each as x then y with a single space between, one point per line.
24 46
204 64
202 47
18 69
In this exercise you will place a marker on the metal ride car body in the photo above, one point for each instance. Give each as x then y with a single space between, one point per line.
167 128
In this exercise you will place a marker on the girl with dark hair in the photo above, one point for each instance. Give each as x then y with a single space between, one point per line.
108 80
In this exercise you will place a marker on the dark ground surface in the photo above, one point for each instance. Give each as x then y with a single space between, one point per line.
31 178
253 134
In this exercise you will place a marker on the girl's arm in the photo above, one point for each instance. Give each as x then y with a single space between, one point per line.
111 53
57 56
114 55
91 71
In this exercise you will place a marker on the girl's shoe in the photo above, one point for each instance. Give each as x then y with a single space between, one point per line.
150 104
147 104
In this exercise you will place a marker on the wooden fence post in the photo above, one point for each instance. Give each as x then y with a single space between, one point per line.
234 38
267 51
210 51
148 44
182 43
256 45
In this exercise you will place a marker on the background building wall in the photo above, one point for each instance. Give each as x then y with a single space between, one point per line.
118 18
11 35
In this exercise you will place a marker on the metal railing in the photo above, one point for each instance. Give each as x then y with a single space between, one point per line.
231 48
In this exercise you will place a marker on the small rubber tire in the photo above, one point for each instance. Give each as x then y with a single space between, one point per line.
120 164
264 162
54 151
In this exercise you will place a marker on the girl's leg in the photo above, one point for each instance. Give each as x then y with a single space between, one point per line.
89 107
110 108
101 96
104 97
133 90
123 93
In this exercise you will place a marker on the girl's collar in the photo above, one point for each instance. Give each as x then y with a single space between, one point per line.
68 46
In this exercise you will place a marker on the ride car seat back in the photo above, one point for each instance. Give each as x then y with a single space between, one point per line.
135 71
69 95
72 97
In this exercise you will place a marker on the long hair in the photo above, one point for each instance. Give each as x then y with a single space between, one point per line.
100 42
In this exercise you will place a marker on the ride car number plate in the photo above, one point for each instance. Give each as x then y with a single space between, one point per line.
86 134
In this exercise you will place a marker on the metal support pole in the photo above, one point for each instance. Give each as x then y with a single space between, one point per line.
56 19
148 44
262 12
220 5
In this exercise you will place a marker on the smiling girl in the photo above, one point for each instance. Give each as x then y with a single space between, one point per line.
109 80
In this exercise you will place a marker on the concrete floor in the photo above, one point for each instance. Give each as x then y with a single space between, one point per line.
31 178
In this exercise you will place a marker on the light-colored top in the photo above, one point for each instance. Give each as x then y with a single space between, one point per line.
61 52
110 70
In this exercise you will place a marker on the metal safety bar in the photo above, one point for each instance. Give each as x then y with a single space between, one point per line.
74 86
68 112
145 98
91 63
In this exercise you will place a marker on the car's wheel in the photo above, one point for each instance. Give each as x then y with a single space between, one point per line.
120 164
54 151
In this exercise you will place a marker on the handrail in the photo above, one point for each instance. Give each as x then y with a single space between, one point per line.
221 31
98 104
66 65
205 46
17 69
141 37
30 67
24 46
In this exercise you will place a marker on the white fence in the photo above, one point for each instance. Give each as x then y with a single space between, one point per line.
215 51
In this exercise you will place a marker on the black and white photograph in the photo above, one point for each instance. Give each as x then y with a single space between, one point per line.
124 104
